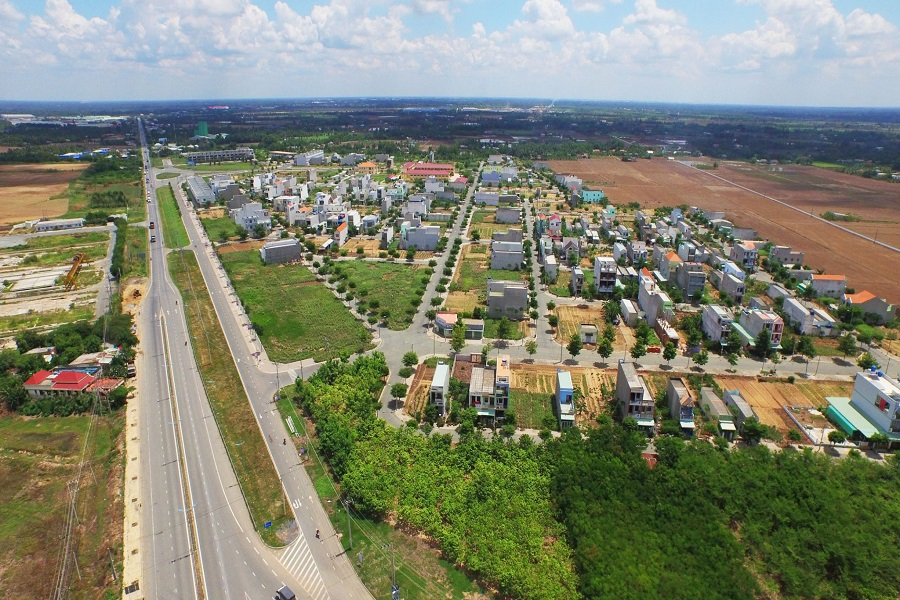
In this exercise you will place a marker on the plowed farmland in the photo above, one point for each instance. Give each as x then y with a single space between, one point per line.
669 183
35 191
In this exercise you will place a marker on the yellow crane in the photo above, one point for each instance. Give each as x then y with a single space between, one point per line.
69 280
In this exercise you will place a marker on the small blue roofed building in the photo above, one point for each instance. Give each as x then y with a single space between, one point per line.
565 400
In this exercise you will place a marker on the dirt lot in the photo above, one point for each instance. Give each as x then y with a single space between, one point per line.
240 247
668 183
211 213
417 395
768 399
371 248
29 191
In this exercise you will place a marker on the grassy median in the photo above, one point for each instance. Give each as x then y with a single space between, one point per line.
234 416
174 234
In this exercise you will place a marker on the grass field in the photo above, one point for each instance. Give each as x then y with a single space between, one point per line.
166 175
38 456
530 407
561 287
66 240
473 271
65 256
298 317
228 400
518 330
174 234
79 193
395 286
222 168
421 573
219 229
15 323
136 243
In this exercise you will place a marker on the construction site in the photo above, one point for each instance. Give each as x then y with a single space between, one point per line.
53 278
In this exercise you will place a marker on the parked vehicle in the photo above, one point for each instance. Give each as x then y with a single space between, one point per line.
285 593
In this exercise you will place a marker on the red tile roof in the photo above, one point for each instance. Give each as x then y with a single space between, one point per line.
37 378
818 277
859 297
72 380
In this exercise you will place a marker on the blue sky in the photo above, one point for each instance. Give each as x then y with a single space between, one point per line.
783 52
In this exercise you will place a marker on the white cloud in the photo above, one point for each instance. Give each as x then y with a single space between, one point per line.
592 5
443 8
861 23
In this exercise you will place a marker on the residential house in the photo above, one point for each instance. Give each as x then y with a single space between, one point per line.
312 157
540 226
629 311
60 382
690 278
569 249
507 255
507 299
716 412
513 234
487 198
828 285
592 196
489 389
745 255
873 408
738 406
491 178
551 269
633 397
237 201
565 400
508 215
655 303
252 215
569 182
716 322
458 183
439 392
776 291
444 322
367 168
576 283
753 321
784 255
340 234
637 252
371 222
554 225
666 332
728 285
871 305
619 251
387 237
744 233
808 318
605 274
668 263
509 199
681 405
474 329
423 237
281 251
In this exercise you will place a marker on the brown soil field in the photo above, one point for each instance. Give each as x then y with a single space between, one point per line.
33 191
655 183
541 379
240 247
768 398
417 394
370 247
211 213
570 317
461 301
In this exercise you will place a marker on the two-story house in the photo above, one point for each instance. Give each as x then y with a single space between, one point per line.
745 255
633 397
754 320
605 274
681 405
565 400
716 412
439 392
489 389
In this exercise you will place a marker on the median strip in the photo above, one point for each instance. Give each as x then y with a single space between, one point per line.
234 416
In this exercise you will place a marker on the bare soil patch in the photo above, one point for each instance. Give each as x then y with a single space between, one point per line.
655 183
417 396
211 213
240 247
541 379
35 190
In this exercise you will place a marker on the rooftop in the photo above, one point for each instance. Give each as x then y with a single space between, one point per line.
859 297
823 277
564 380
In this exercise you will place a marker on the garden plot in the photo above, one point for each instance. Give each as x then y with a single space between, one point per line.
538 382
417 395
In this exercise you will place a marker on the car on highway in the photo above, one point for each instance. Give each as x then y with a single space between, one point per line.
152 238
284 593
152 225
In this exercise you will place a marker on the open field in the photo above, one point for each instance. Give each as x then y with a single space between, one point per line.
33 191
174 234
38 456
296 316
393 286
562 287
539 381
417 395
473 271
80 191
768 398
136 255
228 401
371 248
571 317
668 183
219 229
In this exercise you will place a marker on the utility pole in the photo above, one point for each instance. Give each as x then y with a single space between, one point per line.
346 504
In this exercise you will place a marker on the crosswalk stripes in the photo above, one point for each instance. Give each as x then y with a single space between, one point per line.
298 560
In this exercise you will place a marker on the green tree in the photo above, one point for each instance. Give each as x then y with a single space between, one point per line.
701 358
398 390
553 320
763 346
867 361
604 349
794 436
609 333
807 348
575 345
847 344
410 359
611 310
733 360
752 430
836 437
638 350
458 337
504 328
531 347
669 352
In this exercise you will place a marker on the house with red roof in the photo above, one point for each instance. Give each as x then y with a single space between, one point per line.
59 383
871 305
340 234
828 285
421 170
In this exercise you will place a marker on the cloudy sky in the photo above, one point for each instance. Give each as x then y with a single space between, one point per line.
786 52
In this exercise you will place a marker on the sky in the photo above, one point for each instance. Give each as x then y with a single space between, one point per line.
768 52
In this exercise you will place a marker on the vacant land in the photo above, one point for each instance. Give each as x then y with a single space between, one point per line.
34 191
572 317
38 457
668 183
395 287
473 271
228 401
220 229
768 399
538 382
562 287
296 316
417 394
